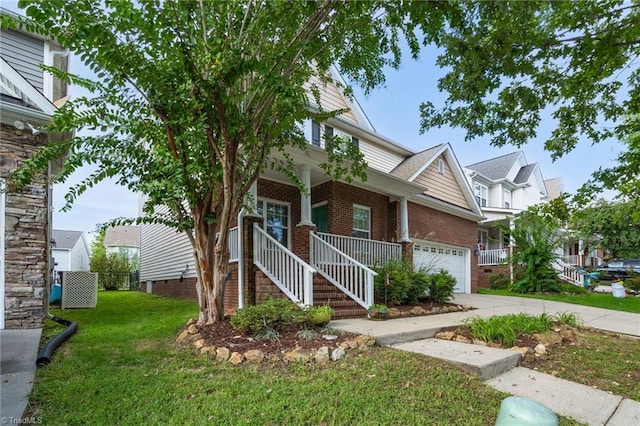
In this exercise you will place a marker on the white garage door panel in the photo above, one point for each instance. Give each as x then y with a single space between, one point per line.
440 256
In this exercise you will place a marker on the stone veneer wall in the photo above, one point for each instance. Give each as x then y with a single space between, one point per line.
26 234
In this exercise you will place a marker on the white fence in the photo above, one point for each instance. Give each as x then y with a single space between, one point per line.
349 275
290 273
367 252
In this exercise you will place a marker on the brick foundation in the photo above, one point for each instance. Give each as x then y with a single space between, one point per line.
485 271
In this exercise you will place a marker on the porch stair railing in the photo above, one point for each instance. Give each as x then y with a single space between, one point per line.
347 274
569 273
368 252
291 274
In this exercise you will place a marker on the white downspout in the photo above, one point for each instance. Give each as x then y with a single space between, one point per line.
240 259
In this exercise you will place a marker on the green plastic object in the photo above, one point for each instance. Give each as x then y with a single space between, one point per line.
518 411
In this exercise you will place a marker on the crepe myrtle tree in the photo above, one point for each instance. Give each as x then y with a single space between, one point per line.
191 100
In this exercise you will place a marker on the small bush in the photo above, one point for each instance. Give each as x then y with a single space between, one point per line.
505 329
441 286
270 314
395 289
633 284
498 280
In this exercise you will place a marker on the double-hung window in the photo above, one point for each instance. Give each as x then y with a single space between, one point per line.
361 221
480 191
507 199
276 219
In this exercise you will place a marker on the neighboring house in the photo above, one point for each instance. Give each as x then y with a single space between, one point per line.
505 186
413 205
28 98
70 251
123 239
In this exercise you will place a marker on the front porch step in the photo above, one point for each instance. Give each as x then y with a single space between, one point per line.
349 313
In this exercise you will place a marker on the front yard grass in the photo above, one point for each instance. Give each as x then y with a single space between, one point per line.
123 367
596 300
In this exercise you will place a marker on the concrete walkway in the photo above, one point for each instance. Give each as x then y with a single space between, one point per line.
18 352
499 367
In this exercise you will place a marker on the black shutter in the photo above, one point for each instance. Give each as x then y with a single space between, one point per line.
355 141
328 133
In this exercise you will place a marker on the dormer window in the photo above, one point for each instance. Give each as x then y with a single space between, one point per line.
480 192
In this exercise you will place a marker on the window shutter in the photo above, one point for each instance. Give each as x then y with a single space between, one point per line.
315 133
328 133
355 142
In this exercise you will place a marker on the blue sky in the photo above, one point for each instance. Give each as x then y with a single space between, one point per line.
393 111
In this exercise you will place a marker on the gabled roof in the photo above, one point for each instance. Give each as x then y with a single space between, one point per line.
524 173
122 236
16 86
413 164
496 168
66 239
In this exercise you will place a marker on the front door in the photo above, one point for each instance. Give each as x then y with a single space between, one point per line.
320 216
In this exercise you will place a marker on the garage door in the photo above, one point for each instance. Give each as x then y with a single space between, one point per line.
436 256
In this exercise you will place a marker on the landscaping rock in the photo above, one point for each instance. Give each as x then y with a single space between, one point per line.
322 355
394 312
479 342
208 350
199 344
254 356
435 310
192 329
299 354
349 344
418 310
365 341
462 339
445 335
236 358
540 349
182 336
222 354
337 354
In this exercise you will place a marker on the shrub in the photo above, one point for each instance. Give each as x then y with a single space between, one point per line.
392 284
498 280
420 281
633 284
441 286
270 314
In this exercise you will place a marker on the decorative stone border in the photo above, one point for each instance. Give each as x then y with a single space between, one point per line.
322 355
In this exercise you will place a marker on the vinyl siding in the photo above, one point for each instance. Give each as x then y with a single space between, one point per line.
164 253
25 54
379 158
330 98
443 186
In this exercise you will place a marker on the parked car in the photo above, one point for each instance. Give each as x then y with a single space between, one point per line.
619 269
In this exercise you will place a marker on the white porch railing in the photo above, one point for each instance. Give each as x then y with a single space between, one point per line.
492 257
569 273
367 252
346 273
290 273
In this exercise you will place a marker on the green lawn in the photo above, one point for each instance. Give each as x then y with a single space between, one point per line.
122 367
597 300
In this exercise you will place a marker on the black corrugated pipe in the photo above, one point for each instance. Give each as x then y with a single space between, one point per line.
45 354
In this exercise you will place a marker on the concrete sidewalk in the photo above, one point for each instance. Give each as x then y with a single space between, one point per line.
499 366
18 353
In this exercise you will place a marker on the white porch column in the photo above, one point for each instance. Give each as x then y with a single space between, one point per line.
404 220
511 243
305 197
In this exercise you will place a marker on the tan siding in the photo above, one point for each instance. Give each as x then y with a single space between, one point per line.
164 253
443 186
379 158
330 98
